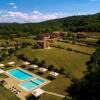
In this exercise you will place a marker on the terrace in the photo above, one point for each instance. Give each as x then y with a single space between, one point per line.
15 83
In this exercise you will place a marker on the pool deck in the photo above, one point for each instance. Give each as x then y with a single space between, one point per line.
13 82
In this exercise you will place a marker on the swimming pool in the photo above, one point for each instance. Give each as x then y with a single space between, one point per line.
19 74
32 84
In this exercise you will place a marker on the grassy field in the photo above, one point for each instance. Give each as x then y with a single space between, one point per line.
72 62
88 40
49 97
75 47
59 85
6 95
93 40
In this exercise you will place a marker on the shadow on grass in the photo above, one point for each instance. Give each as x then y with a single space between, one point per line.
31 97
39 73
50 78
30 69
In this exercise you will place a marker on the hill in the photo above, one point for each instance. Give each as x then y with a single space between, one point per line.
87 23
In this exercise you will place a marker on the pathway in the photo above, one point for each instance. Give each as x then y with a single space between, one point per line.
59 95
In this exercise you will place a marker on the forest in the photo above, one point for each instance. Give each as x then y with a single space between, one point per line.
81 23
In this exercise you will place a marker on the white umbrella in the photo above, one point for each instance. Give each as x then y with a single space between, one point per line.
2 65
54 74
11 63
43 69
1 71
33 66
26 63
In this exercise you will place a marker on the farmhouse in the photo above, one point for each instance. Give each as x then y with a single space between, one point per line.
82 35
45 39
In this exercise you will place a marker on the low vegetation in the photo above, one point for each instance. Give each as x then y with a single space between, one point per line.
6 95
89 86
85 23
59 58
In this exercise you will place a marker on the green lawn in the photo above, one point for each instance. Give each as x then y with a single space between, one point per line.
58 85
88 40
49 97
93 40
72 62
6 95
83 49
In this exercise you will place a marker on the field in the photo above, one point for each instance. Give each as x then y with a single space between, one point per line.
88 40
93 40
72 62
83 49
6 95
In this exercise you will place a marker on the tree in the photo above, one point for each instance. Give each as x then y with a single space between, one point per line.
22 57
67 98
36 61
56 70
69 35
51 67
61 71
42 63
88 88
11 51
36 46
3 56
98 42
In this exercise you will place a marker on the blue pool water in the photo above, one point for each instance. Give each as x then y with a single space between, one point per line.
32 84
38 81
19 74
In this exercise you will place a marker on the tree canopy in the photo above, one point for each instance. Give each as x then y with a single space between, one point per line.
88 88
86 23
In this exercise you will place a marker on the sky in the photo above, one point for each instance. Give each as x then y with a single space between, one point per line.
23 11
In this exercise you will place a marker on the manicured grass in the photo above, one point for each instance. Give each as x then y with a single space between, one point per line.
93 40
88 40
72 62
83 49
45 97
6 95
58 85
49 97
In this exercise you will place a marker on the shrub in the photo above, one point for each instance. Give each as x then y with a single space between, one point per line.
69 49
36 61
61 71
42 63
56 70
51 67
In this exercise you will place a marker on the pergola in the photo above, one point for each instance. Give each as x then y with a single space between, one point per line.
37 92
